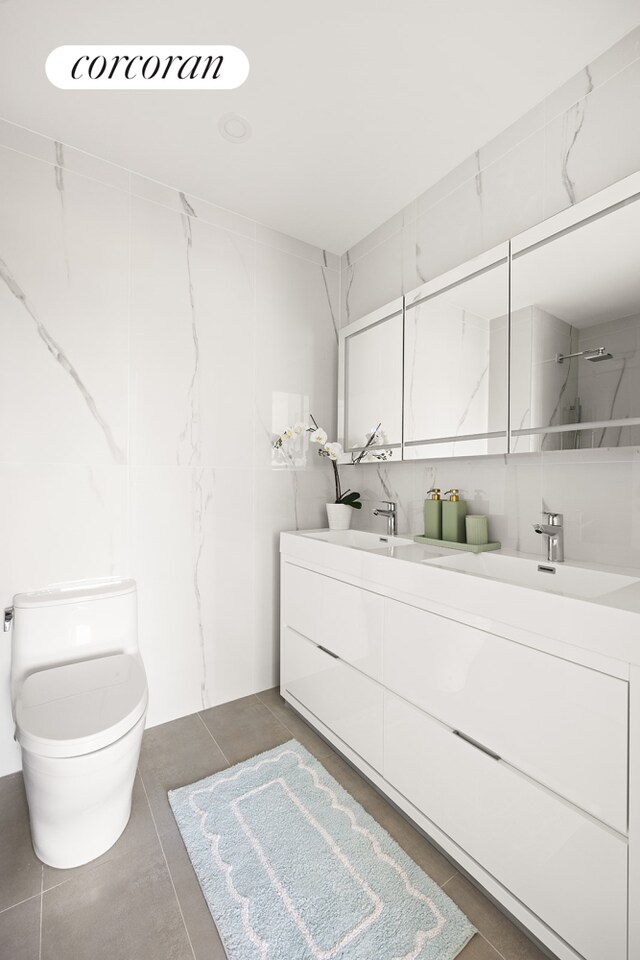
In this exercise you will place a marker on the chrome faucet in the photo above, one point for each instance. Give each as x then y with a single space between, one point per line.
554 532
392 517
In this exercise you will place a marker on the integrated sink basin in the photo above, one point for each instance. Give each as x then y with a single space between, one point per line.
537 575
359 539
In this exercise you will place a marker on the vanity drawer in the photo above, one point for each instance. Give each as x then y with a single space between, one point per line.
346 619
564 866
562 724
349 703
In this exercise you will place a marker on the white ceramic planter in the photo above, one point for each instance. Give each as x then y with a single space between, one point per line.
339 515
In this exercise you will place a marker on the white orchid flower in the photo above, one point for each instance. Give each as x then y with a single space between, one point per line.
299 428
319 436
334 450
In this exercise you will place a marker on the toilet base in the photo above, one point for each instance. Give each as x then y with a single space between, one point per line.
79 806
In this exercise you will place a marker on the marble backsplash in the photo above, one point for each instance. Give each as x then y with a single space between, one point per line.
152 344
598 491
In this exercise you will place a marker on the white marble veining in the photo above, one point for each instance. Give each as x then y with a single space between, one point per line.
154 345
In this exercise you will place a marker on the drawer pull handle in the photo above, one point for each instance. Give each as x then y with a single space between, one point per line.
331 654
474 743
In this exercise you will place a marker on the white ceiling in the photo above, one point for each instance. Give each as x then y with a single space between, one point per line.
357 106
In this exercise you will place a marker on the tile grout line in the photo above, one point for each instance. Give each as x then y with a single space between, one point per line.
493 946
228 762
479 932
292 732
20 902
455 874
41 912
173 886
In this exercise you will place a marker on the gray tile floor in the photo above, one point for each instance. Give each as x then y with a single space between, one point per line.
141 900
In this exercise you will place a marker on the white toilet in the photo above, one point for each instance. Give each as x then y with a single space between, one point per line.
79 697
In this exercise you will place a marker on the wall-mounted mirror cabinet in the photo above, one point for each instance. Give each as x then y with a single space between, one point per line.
535 345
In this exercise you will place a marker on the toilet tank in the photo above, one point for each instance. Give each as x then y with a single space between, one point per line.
72 621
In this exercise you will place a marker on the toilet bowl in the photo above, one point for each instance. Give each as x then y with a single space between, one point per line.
79 695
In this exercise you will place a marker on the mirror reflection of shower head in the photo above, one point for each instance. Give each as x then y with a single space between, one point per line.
600 353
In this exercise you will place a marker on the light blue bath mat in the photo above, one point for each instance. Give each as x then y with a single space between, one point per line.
294 869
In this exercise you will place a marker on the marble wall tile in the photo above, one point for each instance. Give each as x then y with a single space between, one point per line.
602 69
172 524
383 481
511 190
373 280
512 136
599 496
26 141
297 248
64 317
384 232
193 291
230 582
58 154
295 373
594 143
451 231
86 165
183 203
451 182
61 522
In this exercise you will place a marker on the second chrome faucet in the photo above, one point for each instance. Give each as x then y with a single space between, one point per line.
553 530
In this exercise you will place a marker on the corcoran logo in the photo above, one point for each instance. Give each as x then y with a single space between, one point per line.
147 67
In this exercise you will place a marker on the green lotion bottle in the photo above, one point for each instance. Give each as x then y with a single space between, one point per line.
433 515
454 511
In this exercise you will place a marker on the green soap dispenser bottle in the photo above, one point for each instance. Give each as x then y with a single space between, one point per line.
433 515
454 510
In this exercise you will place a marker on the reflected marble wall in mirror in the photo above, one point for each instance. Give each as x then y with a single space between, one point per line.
370 386
575 316
456 362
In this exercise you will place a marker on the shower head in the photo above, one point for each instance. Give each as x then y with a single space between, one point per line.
596 355
600 353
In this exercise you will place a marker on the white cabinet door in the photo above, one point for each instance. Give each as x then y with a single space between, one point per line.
345 619
348 703
562 724
569 870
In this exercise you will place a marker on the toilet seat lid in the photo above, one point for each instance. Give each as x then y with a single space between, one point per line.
78 708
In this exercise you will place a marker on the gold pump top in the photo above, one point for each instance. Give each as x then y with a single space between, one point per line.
436 493
455 495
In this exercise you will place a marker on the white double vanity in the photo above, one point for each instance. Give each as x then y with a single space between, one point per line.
497 704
